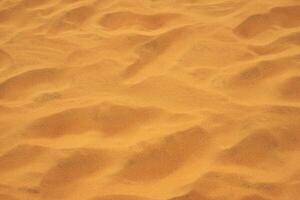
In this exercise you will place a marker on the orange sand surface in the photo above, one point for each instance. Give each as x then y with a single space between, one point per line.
149 100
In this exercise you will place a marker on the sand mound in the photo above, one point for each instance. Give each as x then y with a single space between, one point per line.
285 17
127 20
19 156
159 160
149 100
120 197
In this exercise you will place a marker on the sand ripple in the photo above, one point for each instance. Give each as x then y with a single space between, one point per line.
149 100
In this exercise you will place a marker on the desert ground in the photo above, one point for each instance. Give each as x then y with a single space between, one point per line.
149 100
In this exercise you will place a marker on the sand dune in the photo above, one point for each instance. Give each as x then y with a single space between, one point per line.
149 100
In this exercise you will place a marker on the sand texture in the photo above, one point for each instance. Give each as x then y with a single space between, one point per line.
149 100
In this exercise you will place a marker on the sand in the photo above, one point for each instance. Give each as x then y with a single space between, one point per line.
149 100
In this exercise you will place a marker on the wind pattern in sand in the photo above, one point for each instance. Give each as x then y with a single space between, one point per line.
149 100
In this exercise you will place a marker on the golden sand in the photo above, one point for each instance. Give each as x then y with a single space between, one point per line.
149 100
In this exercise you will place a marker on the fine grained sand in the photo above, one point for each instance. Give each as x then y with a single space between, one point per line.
149 100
